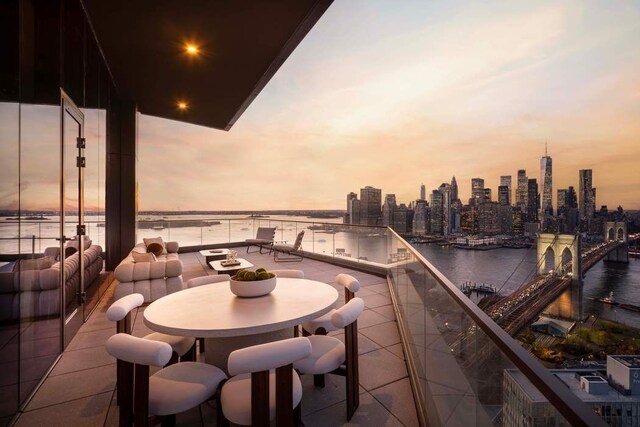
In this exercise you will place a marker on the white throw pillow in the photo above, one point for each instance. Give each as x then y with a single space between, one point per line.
150 240
143 257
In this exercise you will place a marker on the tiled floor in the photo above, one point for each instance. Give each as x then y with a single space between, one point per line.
80 389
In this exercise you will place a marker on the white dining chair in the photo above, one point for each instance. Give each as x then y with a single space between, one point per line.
171 390
323 325
329 355
290 274
206 280
183 348
264 386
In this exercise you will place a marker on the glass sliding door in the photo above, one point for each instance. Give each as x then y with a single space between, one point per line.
73 235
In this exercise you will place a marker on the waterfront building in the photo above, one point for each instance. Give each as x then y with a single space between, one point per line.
436 212
571 199
613 394
518 223
402 219
445 189
349 216
533 200
586 195
387 209
370 206
477 190
521 191
546 186
423 192
505 219
506 180
421 217
530 229
454 189
469 219
488 219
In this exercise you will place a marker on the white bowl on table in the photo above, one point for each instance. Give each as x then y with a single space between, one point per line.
254 288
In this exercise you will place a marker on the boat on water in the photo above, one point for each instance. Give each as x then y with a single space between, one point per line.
608 300
612 301
467 288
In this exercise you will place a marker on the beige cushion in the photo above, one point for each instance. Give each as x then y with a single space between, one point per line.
146 257
236 397
35 264
178 344
148 240
120 308
327 354
182 386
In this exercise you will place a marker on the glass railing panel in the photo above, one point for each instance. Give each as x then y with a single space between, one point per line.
463 375
213 231
242 229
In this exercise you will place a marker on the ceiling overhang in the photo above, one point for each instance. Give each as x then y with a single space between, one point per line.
241 46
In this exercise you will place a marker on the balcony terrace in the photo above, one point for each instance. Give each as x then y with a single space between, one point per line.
80 388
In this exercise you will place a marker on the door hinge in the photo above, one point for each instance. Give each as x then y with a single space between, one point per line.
81 230
81 143
81 162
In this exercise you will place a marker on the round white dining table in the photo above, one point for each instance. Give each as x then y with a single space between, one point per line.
228 322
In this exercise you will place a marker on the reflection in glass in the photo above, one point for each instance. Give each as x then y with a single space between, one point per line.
39 272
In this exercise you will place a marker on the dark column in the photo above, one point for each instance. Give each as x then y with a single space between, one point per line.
121 201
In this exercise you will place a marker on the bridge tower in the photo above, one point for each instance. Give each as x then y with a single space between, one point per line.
560 244
617 231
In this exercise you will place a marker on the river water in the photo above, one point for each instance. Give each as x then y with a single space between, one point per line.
508 269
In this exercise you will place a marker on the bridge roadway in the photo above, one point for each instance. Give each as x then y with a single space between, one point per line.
517 310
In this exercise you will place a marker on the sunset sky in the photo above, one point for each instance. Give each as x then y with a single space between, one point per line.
395 94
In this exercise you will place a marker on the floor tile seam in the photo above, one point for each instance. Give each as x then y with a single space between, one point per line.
66 401
112 402
388 351
71 350
384 406
384 385
53 375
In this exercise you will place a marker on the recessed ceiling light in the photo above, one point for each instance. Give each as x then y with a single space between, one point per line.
191 49
182 105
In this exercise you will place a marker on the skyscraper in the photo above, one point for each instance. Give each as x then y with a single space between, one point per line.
387 209
436 212
546 185
504 195
353 209
423 192
454 189
506 180
421 217
586 196
521 191
445 189
532 200
370 209
486 196
562 198
477 190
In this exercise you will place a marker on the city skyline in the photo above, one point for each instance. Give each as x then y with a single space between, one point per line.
413 93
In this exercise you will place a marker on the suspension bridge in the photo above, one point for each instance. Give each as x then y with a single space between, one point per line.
571 262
